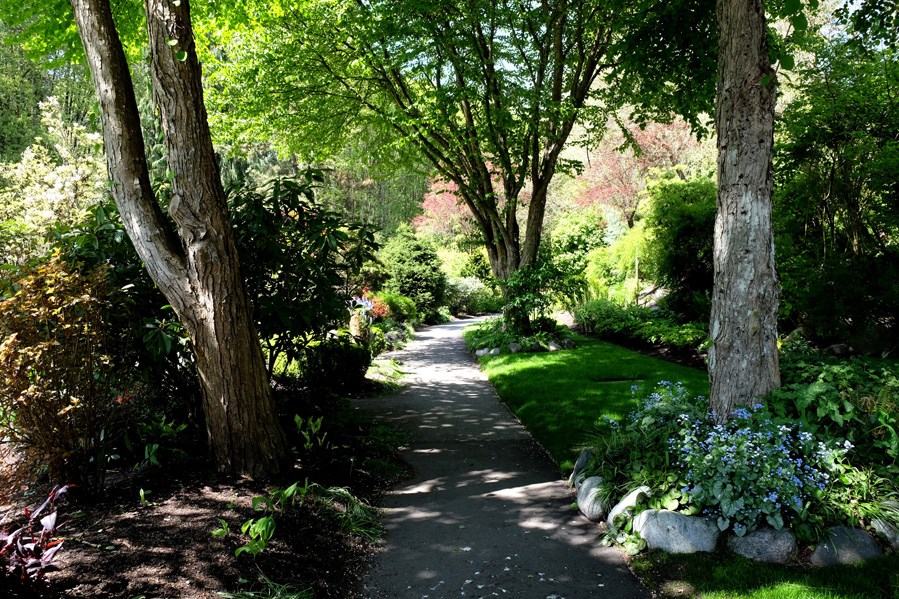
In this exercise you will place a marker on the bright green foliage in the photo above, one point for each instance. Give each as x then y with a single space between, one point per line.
680 228
574 236
857 399
836 208
62 398
535 289
493 333
414 269
299 261
614 272
487 91
22 86
611 321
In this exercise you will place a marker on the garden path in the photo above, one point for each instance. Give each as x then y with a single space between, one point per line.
486 514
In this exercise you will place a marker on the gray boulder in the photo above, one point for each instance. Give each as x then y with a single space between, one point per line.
627 503
765 545
536 347
588 500
494 351
582 460
553 346
568 343
514 347
844 545
888 526
481 352
676 533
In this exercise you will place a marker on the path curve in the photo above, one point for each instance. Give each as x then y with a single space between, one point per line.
487 514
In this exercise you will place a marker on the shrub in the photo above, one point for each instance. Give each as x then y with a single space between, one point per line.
395 306
415 272
300 261
614 272
856 399
395 334
493 333
62 392
680 229
532 291
470 296
574 236
337 363
611 321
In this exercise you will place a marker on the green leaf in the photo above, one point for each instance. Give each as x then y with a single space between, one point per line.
791 7
172 42
787 62
181 55
800 22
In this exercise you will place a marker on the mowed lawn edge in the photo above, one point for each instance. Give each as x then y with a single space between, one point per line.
559 396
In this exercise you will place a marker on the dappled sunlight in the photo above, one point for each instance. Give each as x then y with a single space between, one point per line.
487 514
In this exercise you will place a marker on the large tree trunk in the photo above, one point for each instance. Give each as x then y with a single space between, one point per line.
196 268
743 364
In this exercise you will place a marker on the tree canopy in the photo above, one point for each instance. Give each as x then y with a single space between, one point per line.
487 90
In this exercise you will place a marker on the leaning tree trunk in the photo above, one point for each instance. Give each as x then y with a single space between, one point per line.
743 363
196 268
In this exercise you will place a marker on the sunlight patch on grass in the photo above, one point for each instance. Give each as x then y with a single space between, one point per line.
559 395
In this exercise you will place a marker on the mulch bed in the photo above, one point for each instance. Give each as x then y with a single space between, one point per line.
119 547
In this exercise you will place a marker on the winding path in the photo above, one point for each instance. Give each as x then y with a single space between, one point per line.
487 514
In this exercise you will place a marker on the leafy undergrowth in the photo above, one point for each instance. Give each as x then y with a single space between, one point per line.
559 396
723 576
151 535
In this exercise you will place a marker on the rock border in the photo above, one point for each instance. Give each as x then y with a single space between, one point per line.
674 532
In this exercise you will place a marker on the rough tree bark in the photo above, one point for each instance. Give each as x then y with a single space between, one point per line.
196 266
743 363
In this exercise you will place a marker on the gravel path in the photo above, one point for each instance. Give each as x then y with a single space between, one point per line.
487 514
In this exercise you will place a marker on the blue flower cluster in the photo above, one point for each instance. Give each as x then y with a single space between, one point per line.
750 469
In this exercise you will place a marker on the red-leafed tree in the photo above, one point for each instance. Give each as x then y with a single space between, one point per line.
619 167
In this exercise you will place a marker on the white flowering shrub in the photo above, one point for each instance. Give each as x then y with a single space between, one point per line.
55 183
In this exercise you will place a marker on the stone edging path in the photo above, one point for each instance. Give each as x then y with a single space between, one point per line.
487 514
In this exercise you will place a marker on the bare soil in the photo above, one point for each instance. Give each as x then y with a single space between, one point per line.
119 547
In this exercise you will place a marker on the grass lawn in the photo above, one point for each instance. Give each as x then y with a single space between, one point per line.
559 395
724 576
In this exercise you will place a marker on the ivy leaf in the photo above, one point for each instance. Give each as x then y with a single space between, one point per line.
172 42
181 55
787 62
